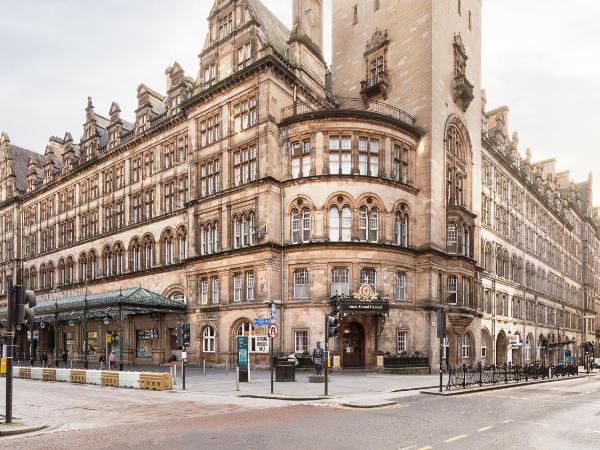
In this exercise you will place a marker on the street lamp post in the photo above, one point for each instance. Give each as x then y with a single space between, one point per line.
86 349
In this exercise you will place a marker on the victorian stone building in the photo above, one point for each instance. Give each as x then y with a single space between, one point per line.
269 178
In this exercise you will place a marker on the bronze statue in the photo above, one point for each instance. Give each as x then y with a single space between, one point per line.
317 356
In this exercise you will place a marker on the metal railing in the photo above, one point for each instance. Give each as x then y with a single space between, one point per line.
461 377
399 361
347 104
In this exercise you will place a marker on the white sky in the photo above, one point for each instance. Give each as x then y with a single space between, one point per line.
540 57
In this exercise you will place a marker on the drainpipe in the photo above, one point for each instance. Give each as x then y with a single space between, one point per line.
281 267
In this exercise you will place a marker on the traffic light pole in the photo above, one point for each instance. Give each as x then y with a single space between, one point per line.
10 326
183 368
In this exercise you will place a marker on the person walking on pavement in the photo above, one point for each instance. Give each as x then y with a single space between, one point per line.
112 359
65 357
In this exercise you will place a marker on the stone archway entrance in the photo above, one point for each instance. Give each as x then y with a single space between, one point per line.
353 345
501 344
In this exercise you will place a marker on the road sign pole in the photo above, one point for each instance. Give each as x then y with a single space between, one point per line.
271 355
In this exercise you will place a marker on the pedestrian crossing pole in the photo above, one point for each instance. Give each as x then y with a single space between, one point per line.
326 362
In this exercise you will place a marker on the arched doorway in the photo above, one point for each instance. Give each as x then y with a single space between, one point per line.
353 351
516 350
501 345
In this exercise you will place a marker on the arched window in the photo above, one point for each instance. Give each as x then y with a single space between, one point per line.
499 271
177 296
148 244
43 276
505 264
181 244
51 276
528 348
208 340
83 267
457 148
300 222
92 263
340 224
452 238
489 261
118 257
108 261
244 229
368 226
26 278
61 272
70 272
167 247
135 255
401 228
466 242
33 278
466 346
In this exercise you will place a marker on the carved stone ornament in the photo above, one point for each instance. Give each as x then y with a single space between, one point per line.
378 40
365 293
459 46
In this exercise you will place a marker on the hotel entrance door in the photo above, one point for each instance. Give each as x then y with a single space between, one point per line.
353 352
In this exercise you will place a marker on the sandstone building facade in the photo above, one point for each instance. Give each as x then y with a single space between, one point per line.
268 178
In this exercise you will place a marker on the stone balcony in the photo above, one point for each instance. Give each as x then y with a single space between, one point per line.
462 91
345 106
375 85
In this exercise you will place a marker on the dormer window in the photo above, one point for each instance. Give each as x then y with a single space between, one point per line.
244 55
210 75
142 123
225 26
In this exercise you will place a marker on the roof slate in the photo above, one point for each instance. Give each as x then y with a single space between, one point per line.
21 164
272 31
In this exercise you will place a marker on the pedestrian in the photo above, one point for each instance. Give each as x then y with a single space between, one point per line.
102 360
65 356
112 359
45 359
50 359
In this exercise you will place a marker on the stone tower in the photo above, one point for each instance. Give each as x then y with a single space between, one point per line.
424 57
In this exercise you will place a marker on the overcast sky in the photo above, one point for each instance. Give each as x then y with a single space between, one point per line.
540 57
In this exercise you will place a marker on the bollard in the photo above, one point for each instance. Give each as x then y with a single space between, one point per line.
237 378
173 375
204 366
174 372
227 366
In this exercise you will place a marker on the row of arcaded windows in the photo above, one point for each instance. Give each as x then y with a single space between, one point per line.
112 261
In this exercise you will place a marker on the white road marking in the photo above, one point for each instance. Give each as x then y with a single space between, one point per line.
429 447
485 428
591 431
507 421
408 448
455 438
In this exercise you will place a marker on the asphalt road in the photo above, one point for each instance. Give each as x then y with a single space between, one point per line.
560 415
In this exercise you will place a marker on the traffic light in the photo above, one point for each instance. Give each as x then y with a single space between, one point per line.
179 334
24 304
588 348
186 335
332 326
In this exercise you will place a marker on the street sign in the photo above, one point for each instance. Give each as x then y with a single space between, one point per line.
184 355
273 331
262 321
273 311
261 344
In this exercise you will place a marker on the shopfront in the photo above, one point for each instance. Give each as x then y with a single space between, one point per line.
135 324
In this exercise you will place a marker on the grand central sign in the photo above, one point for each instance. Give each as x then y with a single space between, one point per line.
365 301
